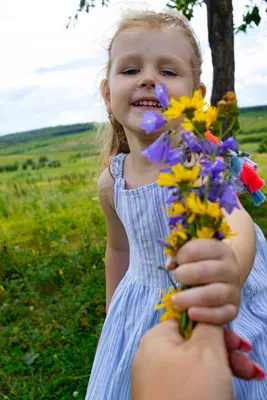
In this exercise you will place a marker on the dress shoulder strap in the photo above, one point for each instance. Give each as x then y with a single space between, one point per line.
116 165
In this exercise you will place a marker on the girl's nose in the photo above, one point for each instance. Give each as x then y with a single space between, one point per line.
147 82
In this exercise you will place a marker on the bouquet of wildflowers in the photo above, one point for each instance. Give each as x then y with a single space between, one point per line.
203 174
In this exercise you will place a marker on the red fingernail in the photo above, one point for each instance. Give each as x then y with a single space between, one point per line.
245 346
173 265
259 374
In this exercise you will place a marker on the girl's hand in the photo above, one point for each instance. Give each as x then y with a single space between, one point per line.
210 265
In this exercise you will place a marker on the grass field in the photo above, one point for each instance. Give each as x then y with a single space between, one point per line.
52 243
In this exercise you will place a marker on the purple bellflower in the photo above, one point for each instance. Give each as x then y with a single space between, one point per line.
152 122
161 95
158 150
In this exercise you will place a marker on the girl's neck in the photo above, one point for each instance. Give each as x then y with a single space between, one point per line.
138 145
138 170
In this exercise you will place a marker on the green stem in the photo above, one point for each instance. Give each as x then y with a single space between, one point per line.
169 276
230 127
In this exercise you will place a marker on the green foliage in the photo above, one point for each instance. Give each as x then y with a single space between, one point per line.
9 167
185 6
52 244
252 138
54 164
263 146
43 160
29 161
250 17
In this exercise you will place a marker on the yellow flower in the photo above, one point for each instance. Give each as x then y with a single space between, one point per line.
226 230
179 174
61 272
166 302
2 289
166 180
213 210
176 239
175 110
186 105
187 125
207 118
212 113
194 205
205 233
177 209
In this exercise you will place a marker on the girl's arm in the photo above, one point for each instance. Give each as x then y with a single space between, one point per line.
117 250
244 243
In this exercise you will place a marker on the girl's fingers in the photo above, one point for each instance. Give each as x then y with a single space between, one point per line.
213 295
245 368
233 342
203 249
203 272
213 315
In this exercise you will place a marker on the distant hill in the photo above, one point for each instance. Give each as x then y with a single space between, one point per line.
44 134
253 119
253 109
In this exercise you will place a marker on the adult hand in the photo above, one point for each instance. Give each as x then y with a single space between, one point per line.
165 366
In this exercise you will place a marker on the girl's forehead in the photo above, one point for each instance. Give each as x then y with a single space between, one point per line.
151 41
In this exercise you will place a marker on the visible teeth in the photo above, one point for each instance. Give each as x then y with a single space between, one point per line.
151 103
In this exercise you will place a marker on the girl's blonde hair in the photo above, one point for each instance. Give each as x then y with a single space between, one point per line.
114 140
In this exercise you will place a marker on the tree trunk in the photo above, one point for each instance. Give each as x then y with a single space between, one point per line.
221 39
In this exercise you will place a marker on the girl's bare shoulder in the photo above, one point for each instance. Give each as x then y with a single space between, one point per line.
105 188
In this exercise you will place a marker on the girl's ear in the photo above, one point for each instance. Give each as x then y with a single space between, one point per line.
203 89
105 91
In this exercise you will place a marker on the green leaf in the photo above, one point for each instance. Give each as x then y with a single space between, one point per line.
185 6
250 17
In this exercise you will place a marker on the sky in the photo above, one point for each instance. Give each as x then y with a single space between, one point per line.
50 75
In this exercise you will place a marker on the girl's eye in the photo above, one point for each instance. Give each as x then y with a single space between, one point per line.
131 71
168 73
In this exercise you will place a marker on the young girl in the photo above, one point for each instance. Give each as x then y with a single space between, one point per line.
151 48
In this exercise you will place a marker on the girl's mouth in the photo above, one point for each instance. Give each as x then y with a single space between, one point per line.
148 105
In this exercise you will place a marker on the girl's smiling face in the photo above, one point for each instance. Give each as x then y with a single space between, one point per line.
140 58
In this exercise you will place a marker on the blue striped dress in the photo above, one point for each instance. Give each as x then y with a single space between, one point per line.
131 311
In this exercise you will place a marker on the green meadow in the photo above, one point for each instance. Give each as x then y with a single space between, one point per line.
52 246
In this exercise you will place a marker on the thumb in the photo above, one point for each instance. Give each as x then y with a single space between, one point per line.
166 331
213 335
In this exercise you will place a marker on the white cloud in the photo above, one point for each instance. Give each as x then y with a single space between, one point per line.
50 75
